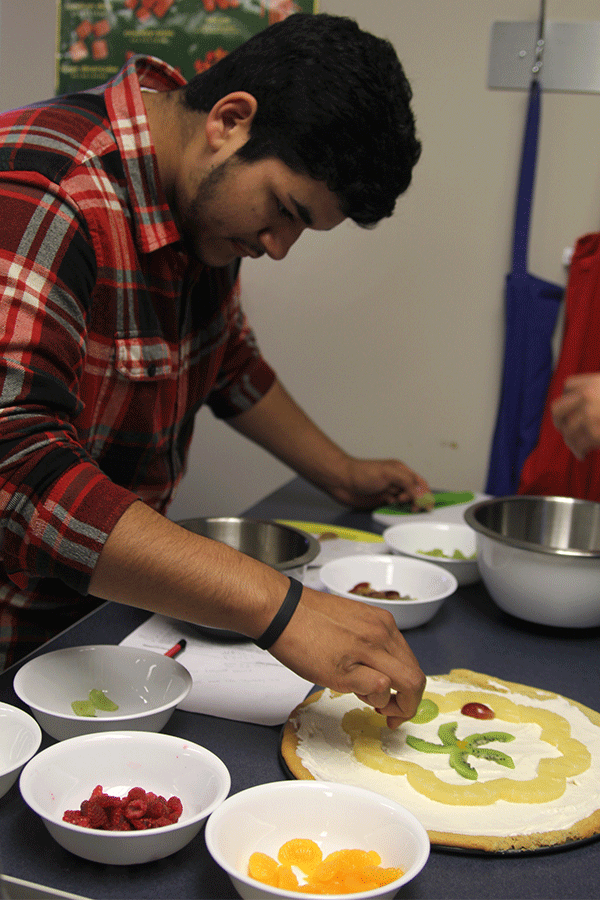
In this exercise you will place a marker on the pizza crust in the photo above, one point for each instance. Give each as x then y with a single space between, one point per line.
289 741
587 828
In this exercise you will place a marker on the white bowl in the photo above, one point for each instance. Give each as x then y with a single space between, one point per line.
62 776
427 583
539 557
20 738
145 686
415 539
335 816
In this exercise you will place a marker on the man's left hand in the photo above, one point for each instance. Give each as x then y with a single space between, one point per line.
369 483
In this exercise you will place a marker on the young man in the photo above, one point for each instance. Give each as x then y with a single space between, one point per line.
125 211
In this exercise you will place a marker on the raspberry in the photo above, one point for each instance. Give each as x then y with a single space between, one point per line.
108 802
117 819
135 809
138 810
97 815
73 816
157 808
175 807
141 824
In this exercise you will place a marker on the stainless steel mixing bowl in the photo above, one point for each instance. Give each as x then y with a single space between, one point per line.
285 549
539 557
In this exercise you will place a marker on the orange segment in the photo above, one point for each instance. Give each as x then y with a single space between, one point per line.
382 876
315 889
263 868
340 862
286 880
326 872
357 881
301 852
341 872
370 877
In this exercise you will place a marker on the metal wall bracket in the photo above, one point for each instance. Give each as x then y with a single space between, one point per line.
571 56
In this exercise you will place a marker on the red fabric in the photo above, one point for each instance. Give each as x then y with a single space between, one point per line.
551 469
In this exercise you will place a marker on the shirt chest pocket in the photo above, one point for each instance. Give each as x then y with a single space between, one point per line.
143 359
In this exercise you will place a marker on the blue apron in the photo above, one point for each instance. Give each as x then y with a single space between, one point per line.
531 310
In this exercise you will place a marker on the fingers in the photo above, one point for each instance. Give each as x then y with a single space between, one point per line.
577 443
568 415
407 488
576 414
402 707
564 407
375 688
393 690
396 705
411 484
380 481
352 647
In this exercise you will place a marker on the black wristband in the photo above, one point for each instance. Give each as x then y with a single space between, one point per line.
282 616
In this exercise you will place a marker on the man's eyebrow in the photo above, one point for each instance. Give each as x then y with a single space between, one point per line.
303 212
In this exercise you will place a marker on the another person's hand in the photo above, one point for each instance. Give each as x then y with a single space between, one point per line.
577 413
368 483
352 647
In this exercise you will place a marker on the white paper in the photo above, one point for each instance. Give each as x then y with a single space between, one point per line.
232 679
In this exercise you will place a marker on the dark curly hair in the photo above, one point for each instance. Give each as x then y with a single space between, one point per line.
333 103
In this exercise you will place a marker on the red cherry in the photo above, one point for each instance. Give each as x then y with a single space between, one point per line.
478 711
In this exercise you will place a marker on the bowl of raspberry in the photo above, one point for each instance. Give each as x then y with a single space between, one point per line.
124 797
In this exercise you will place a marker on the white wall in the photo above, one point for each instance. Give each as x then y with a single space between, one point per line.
27 46
392 339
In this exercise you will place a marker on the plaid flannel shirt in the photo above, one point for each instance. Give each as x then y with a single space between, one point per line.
111 338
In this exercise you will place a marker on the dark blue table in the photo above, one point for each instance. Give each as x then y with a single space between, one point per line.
468 632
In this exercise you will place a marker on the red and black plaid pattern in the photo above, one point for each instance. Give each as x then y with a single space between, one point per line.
111 338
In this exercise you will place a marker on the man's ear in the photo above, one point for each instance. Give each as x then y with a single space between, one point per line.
230 119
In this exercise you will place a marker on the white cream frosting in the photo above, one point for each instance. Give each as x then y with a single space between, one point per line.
325 749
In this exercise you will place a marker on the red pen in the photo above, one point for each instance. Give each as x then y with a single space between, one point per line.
177 648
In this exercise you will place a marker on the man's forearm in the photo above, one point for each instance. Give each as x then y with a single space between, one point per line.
280 426
154 564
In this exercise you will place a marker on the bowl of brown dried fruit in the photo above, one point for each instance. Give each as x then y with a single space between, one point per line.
411 589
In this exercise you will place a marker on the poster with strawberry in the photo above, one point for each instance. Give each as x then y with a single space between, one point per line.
96 37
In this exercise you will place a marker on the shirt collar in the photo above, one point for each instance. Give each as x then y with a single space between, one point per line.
153 223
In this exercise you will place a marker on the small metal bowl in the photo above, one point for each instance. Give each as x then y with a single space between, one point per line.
279 546
539 557
285 549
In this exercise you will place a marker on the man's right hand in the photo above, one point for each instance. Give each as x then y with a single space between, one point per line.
352 647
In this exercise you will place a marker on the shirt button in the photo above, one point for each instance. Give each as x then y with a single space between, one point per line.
152 370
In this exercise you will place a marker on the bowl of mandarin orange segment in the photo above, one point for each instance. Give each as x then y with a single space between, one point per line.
315 838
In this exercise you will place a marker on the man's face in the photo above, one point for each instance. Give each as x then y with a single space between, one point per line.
243 208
